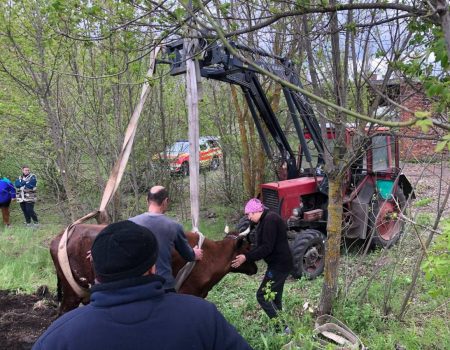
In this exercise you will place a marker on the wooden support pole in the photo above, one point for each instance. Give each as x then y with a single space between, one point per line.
194 150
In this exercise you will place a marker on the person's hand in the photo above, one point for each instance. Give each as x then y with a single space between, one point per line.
198 253
238 261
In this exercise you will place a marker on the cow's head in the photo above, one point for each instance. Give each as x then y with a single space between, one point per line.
242 246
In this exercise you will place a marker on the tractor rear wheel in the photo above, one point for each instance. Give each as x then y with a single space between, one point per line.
386 222
308 252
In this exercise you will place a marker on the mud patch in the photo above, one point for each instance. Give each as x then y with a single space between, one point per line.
23 318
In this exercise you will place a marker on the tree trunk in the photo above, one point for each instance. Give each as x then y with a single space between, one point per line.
335 178
442 7
332 257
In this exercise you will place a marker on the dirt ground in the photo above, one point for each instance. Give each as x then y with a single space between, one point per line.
23 318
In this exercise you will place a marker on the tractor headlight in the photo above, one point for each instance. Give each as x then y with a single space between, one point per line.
297 212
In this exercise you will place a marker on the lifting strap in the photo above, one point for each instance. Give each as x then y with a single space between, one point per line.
331 328
112 184
63 257
187 269
192 97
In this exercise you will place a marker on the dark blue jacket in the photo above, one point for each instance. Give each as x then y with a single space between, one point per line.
26 188
29 182
7 191
136 314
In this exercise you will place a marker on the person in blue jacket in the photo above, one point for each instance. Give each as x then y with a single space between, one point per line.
7 194
129 308
26 194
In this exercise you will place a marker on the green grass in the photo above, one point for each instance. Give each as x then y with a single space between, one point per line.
422 328
213 228
25 262
422 202
235 298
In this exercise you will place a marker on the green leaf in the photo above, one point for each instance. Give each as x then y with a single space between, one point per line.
380 53
440 146
302 3
58 5
225 8
435 89
422 114
422 123
179 13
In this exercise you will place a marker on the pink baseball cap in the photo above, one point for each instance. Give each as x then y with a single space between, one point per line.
254 205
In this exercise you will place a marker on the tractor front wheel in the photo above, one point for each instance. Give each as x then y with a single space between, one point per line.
387 223
308 252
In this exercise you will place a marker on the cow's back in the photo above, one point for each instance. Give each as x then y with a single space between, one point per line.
215 264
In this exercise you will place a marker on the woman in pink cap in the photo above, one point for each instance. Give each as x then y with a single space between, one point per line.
272 246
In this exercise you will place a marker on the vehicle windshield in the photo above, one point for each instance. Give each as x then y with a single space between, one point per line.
382 152
177 148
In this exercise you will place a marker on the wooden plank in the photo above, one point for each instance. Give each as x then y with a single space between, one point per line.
194 149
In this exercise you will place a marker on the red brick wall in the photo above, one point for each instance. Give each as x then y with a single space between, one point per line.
411 146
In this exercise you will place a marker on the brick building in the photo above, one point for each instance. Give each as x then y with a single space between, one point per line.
414 143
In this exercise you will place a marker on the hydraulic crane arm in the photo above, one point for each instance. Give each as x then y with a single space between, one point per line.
218 64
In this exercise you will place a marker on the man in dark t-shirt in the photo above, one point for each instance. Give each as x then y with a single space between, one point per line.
169 234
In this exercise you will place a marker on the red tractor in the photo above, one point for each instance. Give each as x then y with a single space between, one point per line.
374 197
375 193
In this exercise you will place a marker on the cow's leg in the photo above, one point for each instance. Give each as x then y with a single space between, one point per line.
70 299
58 289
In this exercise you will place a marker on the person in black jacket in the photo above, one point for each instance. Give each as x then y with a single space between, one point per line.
129 308
272 246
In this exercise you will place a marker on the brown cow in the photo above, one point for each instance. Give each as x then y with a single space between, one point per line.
216 263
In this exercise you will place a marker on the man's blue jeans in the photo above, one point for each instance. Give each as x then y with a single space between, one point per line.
28 212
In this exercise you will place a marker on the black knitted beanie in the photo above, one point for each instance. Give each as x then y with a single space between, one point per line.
123 250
